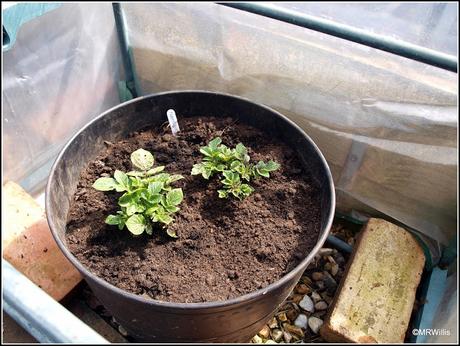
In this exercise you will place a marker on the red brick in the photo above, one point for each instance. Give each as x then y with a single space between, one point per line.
29 246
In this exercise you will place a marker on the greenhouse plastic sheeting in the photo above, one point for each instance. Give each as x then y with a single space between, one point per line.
431 25
446 317
386 125
62 70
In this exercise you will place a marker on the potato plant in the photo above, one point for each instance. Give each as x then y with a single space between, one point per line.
148 196
234 166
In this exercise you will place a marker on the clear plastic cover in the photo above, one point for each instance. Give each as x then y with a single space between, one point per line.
62 71
445 319
386 125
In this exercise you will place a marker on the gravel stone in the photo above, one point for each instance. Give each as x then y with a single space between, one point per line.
315 324
307 304
317 276
277 335
301 321
322 305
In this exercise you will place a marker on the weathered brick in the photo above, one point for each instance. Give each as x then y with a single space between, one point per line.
375 299
28 244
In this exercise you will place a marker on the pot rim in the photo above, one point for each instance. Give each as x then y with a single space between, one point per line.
213 304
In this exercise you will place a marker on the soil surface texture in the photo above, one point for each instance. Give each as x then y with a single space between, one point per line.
226 247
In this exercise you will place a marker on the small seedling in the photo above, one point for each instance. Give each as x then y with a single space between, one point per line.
234 165
233 185
148 195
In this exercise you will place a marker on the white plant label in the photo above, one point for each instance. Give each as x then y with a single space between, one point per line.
173 121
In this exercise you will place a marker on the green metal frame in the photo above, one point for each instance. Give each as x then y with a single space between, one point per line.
349 33
432 288
128 89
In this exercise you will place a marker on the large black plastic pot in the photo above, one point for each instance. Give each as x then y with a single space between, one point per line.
234 320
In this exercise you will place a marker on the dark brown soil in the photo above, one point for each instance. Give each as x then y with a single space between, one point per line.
226 248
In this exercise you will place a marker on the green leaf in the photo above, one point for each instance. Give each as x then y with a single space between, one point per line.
235 165
171 233
225 154
122 219
155 187
150 200
131 202
105 184
246 189
237 194
122 179
207 174
135 182
119 188
271 166
263 168
148 229
197 169
150 211
128 198
246 174
114 219
134 208
174 177
241 149
206 151
142 159
136 224
163 218
204 169
159 177
241 152
223 193
231 178
219 167
228 175
155 170
174 197
263 172
171 209
136 173
214 143
243 169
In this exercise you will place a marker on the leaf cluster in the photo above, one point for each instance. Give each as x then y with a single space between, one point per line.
148 196
234 166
